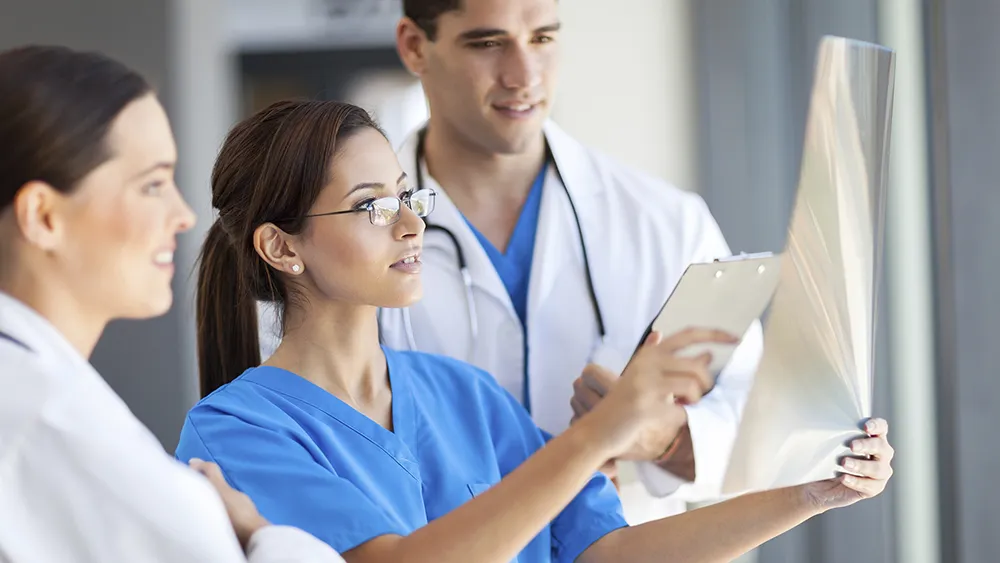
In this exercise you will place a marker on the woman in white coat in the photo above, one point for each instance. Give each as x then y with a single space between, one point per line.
88 218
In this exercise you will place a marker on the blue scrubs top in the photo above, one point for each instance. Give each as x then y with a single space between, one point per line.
514 264
311 461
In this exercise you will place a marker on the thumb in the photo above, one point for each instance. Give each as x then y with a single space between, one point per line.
705 359
211 471
197 464
598 378
654 338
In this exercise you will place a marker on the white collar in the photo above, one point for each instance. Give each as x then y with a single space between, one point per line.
31 329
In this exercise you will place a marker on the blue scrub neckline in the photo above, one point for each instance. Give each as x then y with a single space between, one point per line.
394 441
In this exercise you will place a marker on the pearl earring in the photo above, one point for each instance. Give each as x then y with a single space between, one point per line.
296 268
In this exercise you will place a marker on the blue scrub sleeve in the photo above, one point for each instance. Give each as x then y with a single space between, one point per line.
595 512
288 486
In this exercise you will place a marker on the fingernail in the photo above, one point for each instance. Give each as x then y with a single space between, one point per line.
870 426
195 460
850 479
850 464
856 447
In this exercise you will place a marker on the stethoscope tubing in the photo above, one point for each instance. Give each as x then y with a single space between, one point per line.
463 265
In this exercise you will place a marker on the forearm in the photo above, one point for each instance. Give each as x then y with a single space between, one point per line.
716 533
681 461
496 525
700 463
712 426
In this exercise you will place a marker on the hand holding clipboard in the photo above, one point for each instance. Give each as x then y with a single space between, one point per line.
712 301
727 295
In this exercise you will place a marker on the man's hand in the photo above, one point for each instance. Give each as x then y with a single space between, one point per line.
641 412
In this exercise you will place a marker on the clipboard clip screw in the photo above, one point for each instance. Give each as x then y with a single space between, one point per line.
760 269
718 273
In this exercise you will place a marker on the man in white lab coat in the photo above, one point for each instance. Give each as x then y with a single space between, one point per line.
568 254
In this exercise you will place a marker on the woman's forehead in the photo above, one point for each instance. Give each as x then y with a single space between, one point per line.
140 137
365 157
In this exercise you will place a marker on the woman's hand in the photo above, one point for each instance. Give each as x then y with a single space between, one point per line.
242 512
872 470
641 413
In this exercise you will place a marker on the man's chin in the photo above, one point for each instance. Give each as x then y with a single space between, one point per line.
515 141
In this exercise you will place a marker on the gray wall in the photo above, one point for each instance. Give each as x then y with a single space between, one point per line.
755 62
964 49
139 359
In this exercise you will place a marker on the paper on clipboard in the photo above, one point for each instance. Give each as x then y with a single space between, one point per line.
813 386
727 294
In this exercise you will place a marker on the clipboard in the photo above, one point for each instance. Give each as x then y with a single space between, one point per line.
727 294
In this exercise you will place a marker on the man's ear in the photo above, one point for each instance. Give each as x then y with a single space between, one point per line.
277 248
411 45
38 209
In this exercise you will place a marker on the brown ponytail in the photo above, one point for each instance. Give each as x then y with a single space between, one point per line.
271 169
226 314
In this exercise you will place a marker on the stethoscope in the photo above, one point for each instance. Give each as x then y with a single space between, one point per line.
463 267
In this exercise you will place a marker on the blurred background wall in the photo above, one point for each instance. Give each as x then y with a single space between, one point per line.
708 94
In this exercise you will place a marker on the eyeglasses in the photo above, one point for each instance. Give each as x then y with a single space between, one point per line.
384 211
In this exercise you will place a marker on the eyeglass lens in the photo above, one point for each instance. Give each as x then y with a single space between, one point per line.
385 211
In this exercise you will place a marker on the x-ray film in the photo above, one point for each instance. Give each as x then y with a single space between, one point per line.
813 386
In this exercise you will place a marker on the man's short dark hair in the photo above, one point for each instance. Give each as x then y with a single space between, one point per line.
425 13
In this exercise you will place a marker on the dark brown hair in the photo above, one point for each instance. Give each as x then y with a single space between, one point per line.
272 167
56 107
425 13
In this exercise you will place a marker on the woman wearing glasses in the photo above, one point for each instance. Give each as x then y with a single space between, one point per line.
404 456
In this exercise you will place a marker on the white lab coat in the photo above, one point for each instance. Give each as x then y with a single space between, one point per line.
641 233
82 480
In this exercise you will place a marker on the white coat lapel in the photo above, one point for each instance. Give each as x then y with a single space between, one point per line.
555 242
558 238
29 329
